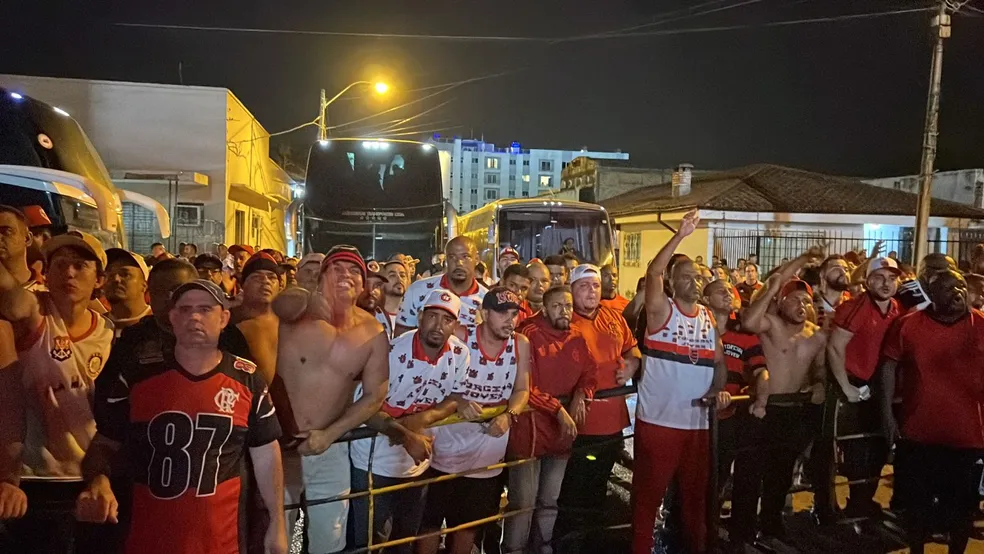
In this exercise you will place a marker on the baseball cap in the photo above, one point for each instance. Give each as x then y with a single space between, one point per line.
277 255
260 262
443 299
345 253
36 217
391 262
875 264
794 285
241 248
207 261
500 299
509 250
83 242
585 271
201 284
313 257
129 258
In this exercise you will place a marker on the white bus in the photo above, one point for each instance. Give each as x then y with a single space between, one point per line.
538 228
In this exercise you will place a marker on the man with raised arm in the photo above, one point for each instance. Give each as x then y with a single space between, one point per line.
187 422
684 361
462 255
794 348
327 346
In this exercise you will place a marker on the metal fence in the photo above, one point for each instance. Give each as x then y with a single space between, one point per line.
773 248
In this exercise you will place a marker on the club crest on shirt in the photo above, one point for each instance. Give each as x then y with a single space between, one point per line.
94 366
61 348
225 400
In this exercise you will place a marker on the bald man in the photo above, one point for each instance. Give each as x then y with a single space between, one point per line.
459 278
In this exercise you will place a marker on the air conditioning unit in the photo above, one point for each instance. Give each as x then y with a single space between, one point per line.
189 215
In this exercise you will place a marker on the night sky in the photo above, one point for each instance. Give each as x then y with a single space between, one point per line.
845 97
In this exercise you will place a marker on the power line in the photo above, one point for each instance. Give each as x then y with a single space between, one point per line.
545 40
668 17
277 134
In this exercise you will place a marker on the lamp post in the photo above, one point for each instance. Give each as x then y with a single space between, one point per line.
379 87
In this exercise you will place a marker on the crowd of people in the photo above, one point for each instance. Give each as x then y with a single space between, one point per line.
198 403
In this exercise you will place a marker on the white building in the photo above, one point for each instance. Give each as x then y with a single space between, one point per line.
196 150
482 173
965 186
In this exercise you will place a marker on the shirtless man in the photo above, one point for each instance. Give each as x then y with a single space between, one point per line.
255 317
794 348
327 346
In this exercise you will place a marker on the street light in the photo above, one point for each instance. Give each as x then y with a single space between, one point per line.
379 87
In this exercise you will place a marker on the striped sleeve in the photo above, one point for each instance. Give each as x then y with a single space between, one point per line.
753 357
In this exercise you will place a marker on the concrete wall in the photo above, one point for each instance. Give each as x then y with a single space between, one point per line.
653 237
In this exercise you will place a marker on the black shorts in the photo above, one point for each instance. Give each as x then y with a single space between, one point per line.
460 500
924 472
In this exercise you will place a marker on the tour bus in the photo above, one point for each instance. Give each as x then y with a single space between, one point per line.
381 196
537 228
47 160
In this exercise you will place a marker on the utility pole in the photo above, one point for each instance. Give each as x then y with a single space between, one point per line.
941 23
322 124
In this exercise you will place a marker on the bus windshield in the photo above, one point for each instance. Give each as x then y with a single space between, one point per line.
34 134
351 175
538 233
382 197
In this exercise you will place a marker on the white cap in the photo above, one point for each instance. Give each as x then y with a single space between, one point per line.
585 271
114 254
443 299
875 264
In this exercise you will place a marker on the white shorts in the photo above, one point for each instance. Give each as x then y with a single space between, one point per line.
317 478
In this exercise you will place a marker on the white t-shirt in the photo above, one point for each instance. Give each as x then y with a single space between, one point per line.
416 384
679 360
388 321
59 373
120 324
413 300
489 382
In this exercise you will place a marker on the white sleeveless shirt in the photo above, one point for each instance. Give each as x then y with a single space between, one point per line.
679 360
489 382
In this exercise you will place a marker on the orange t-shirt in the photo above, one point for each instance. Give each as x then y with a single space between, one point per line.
608 337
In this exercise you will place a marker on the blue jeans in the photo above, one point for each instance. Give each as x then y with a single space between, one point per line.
533 484
396 515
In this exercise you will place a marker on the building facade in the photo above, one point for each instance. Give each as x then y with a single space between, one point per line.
777 213
965 186
198 151
482 173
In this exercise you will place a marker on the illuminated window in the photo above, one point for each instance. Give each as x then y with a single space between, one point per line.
526 179
545 181
492 163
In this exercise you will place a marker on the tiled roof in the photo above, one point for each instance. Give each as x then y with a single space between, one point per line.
777 189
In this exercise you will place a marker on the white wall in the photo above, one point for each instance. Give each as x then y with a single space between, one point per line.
965 186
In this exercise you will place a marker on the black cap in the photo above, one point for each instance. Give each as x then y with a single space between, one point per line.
201 284
208 261
500 299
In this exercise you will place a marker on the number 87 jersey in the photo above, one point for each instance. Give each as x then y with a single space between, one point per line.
186 439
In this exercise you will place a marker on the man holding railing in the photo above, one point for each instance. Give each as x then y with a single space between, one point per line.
425 366
599 442
768 449
498 375
562 366
684 361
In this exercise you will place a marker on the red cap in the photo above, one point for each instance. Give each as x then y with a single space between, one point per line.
794 285
35 216
241 247
345 253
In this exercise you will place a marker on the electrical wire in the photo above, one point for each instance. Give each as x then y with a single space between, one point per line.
425 112
277 134
545 40
668 17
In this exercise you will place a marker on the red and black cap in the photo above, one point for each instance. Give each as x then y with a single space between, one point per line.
345 253
260 262
500 299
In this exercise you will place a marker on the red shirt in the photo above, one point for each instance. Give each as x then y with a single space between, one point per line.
862 317
561 364
525 312
608 337
187 437
941 373
745 292
618 303
744 357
